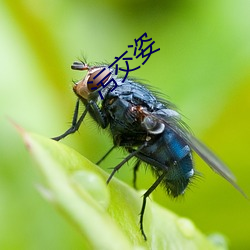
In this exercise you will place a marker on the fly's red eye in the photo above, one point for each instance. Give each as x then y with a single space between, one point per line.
98 78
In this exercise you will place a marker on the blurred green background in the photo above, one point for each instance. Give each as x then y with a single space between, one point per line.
203 66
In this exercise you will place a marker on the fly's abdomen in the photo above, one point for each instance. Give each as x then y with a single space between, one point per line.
180 166
170 155
178 176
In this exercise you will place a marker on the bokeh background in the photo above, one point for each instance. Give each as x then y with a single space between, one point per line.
203 66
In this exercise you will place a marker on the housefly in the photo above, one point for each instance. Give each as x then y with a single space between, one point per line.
149 128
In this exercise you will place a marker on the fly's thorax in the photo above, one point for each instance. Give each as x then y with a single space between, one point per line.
94 80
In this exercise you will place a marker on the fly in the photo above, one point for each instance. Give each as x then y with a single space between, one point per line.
149 128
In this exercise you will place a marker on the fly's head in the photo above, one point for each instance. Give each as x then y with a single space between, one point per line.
96 77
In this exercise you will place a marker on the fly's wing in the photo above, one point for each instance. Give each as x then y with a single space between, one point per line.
212 160
175 124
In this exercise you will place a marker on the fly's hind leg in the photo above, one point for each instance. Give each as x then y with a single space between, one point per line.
145 196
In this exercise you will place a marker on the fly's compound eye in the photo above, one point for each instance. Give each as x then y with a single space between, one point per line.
152 125
97 77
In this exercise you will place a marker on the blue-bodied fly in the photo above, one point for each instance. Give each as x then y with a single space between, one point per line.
148 127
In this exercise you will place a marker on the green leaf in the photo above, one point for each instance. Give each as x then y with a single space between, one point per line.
106 215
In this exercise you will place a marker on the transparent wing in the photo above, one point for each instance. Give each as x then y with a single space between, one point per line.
208 156
175 124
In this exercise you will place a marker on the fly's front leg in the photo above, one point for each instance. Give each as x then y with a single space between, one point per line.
95 112
75 123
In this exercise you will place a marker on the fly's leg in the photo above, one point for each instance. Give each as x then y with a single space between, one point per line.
93 109
97 114
145 196
124 161
75 124
135 169
105 155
